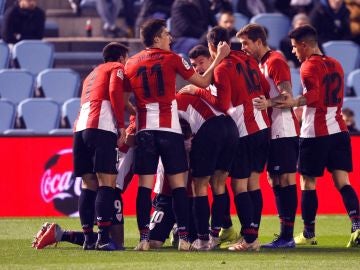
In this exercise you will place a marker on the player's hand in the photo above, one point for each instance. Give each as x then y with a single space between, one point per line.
188 89
223 49
122 137
261 103
130 140
286 101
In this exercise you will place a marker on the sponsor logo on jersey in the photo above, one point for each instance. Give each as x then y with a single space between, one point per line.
120 74
185 63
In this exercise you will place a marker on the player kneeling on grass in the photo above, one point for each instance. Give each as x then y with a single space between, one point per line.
163 219
52 233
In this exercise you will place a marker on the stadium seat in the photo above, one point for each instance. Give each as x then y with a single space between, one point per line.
168 24
7 112
61 131
353 81
296 82
16 84
33 55
4 55
2 6
240 20
59 84
39 114
353 104
345 51
277 25
70 111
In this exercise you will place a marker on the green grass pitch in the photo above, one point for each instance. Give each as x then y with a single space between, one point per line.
332 232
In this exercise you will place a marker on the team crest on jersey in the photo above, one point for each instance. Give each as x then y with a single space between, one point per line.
185 63
120 74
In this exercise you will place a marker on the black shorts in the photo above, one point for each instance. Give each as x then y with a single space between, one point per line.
332 152
163 219
94 152
152 144
251 154
118 217
214 146
283 155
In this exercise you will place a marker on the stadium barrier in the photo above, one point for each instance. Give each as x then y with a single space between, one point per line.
37 180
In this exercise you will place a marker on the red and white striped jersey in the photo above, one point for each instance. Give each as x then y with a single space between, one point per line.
323 86
239 81
195 111
102 102
276 70
125 165
152 76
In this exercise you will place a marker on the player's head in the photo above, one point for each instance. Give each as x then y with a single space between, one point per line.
27 4
216 35
155 34
226 20
115 52
300 19
200 58
253 39
304 41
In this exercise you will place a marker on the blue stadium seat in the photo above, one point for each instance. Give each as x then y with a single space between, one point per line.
4 55
7 112
277 25
59 84
345 51
296 81
353 103
70 110
2 6
33 55
353 81
16 84
240 20
39 114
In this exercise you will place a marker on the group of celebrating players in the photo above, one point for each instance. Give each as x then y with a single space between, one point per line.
235 117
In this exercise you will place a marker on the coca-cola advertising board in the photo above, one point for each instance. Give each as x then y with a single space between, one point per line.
37 180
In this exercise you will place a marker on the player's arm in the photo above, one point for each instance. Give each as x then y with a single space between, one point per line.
262 103
279 72
310 78
204 80
116 88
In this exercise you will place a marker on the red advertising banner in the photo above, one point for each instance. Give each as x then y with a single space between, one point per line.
36 180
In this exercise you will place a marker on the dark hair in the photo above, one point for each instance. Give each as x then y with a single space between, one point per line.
113 51
199 50
304 32
151 29
348 112
218 34
227 12
254 32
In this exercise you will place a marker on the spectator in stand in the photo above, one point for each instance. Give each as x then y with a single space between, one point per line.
354 7
349 118
108 11
285 44
75 6
190 19
153 9
227 21
24 20
251 8
293 7
331 19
